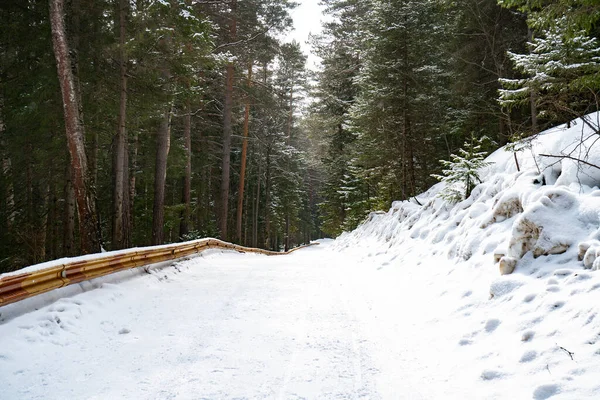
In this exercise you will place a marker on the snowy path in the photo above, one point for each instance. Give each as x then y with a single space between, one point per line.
218 326
317 324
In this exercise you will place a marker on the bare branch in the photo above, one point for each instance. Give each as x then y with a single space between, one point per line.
570 353
571 158
241 41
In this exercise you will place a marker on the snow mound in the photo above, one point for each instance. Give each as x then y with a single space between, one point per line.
535 201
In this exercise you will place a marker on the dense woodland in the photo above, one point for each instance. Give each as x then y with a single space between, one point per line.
192 118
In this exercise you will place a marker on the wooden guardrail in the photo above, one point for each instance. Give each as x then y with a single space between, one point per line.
21 286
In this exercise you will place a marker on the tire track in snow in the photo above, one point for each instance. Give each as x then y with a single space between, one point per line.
358 358
291 365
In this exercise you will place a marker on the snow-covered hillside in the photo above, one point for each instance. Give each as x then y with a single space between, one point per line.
534 332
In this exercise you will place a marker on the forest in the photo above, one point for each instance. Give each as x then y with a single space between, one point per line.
130 123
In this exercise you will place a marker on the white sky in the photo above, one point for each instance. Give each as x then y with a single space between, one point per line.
307 19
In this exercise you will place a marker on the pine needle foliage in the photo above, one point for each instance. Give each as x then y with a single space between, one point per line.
461 174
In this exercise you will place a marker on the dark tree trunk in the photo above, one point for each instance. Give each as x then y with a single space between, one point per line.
120 167
268 201
256 210
163 143
41 233
86 208
9 195
69 217
132 182
227 131
243 161
126 201
187 179
287 231
53 217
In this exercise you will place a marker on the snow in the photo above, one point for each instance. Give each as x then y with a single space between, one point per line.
411 305
88 257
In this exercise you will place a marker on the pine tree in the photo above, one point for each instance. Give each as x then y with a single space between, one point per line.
462 172
341 47
573 15
561 72
479 34
403 78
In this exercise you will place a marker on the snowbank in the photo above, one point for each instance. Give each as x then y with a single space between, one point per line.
534 201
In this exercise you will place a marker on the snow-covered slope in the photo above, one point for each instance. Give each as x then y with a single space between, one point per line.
534 332
549 206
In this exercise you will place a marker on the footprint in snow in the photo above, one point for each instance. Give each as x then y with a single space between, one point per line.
491 325
545 391
528 356
527 336
529 298
561 273
490 374
590 318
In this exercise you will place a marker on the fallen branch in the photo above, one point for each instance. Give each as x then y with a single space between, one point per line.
571 158
417 200
570 353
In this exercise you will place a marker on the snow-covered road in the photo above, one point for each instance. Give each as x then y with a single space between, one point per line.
220 326
316 324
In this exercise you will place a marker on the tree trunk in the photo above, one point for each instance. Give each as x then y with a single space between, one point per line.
268 201
126 200
42 226
132 182
89 235
534 121
290 115
287 231
53 217
163 143
69 217
256 210
9 197
10 192
187 179
120 168
243 161
247 206
227 130
533 97
29 212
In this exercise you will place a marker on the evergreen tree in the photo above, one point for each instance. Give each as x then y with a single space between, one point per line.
403 81
340 47
562 73
480 32
573 15
462 172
